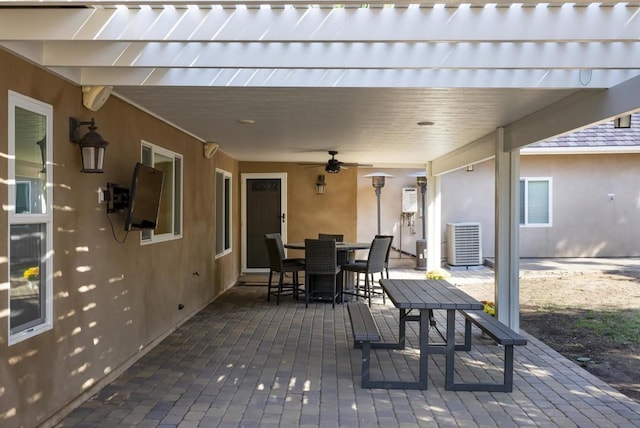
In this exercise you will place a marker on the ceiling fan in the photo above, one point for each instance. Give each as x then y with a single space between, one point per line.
333 165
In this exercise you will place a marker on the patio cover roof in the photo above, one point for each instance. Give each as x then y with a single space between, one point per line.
350 77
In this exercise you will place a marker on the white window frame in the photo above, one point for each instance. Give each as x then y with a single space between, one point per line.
226 210
45 218
149 236
525 196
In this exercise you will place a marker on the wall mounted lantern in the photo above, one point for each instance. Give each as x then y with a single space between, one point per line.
377 181
320 185
92 146
622 122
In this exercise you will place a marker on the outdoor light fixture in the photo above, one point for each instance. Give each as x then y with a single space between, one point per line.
92 146
377 180
320 185
622 122
470 168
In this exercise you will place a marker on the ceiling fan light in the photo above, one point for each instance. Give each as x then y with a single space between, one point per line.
332 168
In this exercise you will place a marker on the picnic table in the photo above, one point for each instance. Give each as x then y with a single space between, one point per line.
423 297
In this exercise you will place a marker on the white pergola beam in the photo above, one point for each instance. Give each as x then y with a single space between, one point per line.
445 24
482 149
340 55
575 112
356 78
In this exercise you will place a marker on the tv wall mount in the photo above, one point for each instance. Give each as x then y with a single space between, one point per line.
117 197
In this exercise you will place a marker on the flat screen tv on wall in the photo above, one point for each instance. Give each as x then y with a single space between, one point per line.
144 198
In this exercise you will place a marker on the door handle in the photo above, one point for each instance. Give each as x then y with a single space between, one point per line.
283 218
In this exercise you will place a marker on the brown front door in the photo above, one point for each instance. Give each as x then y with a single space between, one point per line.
264 213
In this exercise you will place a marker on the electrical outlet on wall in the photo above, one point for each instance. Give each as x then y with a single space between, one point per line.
101 192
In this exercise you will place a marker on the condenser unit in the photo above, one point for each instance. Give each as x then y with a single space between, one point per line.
464 244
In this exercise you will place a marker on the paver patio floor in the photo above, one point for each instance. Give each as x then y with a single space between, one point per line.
245 362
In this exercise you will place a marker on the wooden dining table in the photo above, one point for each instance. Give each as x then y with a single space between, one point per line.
423 297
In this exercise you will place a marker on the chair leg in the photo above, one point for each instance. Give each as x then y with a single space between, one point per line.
333 295
269 288
367 290
384 299
307 290
280 287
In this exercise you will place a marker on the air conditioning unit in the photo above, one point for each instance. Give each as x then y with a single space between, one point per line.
464 244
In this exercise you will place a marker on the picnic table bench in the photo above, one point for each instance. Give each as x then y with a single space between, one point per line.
365 330
503 336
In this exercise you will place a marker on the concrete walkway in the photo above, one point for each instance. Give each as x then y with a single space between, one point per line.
245 362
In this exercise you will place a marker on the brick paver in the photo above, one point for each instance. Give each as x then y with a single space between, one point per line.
243 361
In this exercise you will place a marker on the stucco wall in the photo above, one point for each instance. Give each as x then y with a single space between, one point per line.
405 231
308 213
470 197
111 300
586 222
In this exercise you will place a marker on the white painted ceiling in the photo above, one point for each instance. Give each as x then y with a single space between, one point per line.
352 79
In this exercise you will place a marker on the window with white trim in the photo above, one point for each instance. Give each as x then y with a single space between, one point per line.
169 225
535 201
30 217
223 212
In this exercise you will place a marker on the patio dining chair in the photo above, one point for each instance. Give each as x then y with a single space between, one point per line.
329 236
375 263
321 270
386 259
281 265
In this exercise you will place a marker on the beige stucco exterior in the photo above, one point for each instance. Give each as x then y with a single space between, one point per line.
111 301
586 220
309 213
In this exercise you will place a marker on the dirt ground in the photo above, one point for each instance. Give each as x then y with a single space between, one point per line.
555 309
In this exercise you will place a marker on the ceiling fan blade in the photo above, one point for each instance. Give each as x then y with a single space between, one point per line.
369 165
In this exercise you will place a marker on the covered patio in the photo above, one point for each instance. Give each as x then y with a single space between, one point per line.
246 362
433 86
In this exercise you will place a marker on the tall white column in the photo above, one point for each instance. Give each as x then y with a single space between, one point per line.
507 228
434 220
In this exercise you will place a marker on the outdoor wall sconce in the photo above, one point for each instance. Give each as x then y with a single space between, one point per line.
622 122
378 181
320 185
92 146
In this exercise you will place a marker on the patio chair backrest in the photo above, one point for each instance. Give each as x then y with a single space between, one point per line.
275 250
386 259
329 236
378 254
320 256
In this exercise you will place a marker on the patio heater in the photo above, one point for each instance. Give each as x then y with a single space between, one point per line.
421 244
377 180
